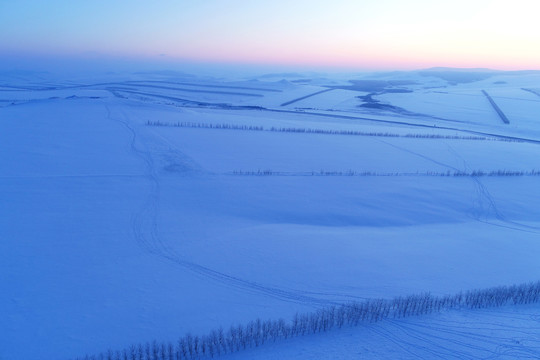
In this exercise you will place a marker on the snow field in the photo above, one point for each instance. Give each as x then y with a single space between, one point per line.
114 232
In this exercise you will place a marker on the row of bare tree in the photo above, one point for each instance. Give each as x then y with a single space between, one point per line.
256 333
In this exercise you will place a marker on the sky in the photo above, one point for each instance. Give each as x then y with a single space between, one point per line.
347 34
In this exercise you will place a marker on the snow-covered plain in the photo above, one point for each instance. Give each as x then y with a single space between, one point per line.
145 206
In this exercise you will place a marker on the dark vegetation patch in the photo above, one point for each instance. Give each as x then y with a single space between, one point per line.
369 97
374 85
77 97
370 103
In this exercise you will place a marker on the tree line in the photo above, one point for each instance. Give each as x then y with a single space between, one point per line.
258 332
474 173
225 126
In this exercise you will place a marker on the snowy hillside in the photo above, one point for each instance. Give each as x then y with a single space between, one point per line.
146 206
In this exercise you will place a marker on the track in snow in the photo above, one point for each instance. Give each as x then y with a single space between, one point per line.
146 233
485 201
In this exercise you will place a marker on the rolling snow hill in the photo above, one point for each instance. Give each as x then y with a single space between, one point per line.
145 207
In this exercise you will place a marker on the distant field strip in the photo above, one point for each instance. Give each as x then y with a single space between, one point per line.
196 90
204 85
117 92
132 83
496 107
305 97
222 106
132 88
219 342
406 123
24 88
225 126
474 173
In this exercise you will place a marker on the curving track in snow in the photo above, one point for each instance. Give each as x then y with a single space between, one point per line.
146 233
485 202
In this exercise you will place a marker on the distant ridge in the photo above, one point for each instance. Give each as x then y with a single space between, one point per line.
466 75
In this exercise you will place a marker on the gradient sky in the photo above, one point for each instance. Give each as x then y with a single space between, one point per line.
353 34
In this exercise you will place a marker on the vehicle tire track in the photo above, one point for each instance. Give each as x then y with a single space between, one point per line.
146 234
483 195
465 342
